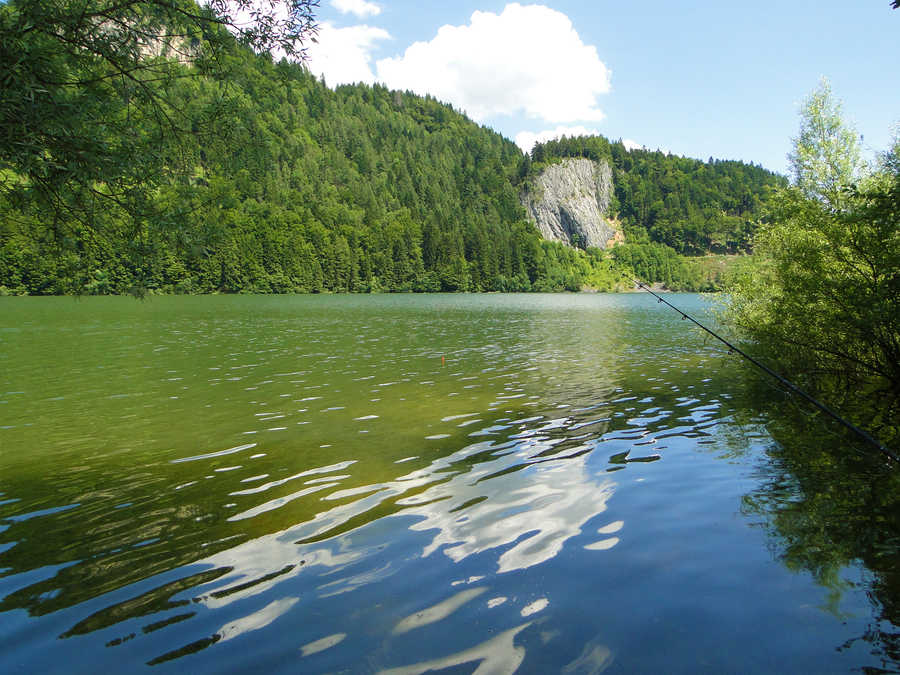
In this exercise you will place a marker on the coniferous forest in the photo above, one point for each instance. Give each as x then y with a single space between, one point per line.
280 184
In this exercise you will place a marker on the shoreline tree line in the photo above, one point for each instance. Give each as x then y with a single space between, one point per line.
165 156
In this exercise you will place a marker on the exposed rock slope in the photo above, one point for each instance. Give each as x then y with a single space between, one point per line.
569 202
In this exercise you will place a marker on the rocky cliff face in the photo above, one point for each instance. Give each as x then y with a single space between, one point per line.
569 202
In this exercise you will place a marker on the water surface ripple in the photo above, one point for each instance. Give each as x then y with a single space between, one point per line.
394 484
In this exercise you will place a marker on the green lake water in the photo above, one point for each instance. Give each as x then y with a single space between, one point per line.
502 483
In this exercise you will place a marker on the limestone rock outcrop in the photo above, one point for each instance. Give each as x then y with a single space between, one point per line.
569 202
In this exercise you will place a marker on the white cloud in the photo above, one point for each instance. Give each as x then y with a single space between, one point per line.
527 139
360 8
344 55
527 59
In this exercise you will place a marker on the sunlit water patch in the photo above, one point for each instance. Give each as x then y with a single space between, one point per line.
396 484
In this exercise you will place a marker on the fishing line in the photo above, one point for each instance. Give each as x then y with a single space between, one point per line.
787 383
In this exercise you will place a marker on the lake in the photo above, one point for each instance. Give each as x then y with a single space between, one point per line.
397 483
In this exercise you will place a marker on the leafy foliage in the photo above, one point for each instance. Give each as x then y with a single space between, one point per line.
826 156
93 114
826 303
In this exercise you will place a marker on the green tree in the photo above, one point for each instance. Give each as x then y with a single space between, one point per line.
825 304
90 119
826 158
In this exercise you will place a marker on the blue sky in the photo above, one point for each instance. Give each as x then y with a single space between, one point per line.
700 79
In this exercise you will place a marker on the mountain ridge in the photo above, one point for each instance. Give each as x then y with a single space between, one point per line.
302 188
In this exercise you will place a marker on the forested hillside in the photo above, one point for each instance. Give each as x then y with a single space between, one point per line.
282 184
692 206
301 188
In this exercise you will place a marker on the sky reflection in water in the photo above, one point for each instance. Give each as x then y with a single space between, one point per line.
300 483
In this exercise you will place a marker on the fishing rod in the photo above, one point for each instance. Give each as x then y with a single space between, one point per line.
862 433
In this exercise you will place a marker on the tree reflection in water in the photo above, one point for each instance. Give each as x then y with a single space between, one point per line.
831 506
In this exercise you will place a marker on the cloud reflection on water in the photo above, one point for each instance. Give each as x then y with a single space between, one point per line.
509 499
438 612
498 656
257 620
538 508
506 497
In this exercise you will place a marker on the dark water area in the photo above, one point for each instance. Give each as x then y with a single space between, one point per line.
404 484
